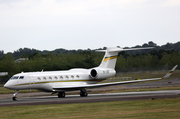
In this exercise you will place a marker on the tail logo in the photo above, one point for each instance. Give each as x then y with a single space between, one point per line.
109 58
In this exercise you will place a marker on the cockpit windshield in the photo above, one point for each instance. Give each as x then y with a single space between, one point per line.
16 77
21 77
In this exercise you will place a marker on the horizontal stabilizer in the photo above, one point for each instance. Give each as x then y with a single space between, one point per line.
117 49
120 50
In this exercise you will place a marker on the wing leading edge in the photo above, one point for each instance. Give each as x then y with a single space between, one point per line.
115 83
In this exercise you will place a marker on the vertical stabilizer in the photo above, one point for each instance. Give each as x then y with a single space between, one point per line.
109 60
111 54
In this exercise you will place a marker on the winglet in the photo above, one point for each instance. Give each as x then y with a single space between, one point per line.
170 72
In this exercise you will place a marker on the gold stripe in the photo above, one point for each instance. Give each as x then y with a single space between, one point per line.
109 58
58 81
170 72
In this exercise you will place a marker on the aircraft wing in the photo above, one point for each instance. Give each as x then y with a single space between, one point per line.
115 83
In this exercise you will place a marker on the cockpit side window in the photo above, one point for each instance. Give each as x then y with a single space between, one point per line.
16 77
21 77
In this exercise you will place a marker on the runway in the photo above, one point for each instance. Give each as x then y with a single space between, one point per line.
103 97
45 98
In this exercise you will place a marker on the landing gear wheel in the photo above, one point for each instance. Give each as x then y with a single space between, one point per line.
83 94
61 94
14 98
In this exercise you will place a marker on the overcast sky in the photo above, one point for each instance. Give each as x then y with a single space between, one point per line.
82 24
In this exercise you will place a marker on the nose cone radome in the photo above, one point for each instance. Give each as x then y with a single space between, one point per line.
6 85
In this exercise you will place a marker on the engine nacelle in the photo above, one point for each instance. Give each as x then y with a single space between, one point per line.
102 73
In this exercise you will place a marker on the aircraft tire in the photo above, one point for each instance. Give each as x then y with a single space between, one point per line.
61 94
14 98
83 94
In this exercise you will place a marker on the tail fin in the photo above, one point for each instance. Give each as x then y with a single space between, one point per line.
111 54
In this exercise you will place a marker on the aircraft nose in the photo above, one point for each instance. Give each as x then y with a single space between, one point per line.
6 85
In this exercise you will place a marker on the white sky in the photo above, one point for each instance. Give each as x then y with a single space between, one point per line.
82 24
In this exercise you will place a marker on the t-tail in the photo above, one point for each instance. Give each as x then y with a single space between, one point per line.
111 54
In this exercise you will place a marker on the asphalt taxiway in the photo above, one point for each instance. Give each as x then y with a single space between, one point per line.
104 97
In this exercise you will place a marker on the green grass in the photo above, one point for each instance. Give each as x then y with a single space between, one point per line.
139 109
148 74
8 91
138 89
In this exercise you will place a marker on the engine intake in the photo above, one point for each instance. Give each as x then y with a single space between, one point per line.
93 73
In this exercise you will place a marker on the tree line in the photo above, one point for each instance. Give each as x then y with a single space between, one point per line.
161 59
30 52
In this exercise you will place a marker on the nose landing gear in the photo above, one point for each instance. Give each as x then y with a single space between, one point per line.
14 98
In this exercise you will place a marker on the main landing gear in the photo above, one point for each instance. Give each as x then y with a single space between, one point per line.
14 98
83 92
61 94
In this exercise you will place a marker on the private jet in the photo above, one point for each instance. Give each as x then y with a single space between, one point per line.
74 79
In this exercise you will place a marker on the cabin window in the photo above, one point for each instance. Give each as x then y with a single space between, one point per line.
39 78
55 77
61 77
44 78
50 78
67 77
72 77
77 76
21 77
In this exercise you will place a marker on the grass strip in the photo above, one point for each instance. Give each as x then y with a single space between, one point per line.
139 109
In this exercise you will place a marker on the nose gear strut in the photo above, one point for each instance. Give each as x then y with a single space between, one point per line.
14 98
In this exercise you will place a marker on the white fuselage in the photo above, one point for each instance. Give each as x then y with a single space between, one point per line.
46 81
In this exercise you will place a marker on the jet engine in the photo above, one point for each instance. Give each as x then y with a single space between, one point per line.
101 73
